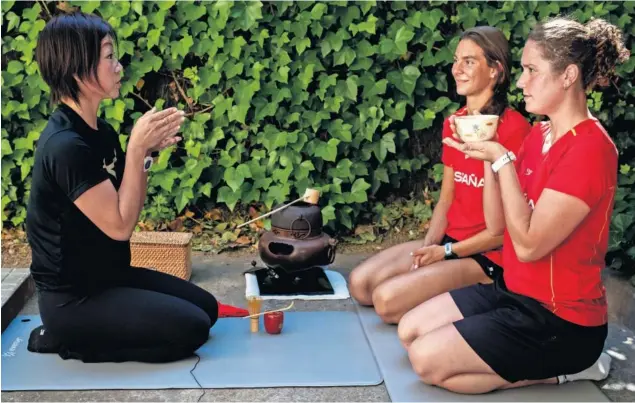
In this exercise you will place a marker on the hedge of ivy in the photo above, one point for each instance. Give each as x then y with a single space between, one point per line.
347 97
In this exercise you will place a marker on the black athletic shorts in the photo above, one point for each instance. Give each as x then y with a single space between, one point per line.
519 338
491 269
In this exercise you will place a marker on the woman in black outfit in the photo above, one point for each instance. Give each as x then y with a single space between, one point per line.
86 196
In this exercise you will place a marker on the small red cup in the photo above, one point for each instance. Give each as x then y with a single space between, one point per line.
273 322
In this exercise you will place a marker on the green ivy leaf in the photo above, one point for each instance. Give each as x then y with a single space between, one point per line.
282 175
164 5
192 12
276 193
431 18
182 47
405 81
6 148
351 88
318 11
306 76
366 6
369 25
438 105
13 19
251 14
328 214
414 19
164 179
343 169
205 189
236 46
375 88
137 7
398 112
304 169
233 178
386 145
466 16
345 219
228 196
403 36
14 67
358 190
302 45
345 56
183 197
32 13
116 111
153 37
327 151
208 78
243 171
423 120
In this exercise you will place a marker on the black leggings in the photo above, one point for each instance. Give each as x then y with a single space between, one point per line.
144 316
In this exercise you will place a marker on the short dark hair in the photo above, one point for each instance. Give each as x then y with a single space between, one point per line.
69 46
496 49
596 48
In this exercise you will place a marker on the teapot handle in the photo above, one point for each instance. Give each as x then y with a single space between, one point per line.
330 251
308 231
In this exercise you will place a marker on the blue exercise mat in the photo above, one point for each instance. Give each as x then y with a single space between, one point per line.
404 386
314 349
24 370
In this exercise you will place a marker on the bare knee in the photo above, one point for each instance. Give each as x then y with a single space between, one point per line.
425 361
407 331
385 303
359 287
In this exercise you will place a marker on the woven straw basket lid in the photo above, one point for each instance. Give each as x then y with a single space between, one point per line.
161 238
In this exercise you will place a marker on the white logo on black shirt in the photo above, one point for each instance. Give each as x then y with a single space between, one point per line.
110 168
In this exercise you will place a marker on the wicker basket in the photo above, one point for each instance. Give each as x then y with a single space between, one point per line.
167 252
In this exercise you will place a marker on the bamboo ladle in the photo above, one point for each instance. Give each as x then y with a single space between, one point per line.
311 196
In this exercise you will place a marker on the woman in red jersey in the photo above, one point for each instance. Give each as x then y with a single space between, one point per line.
545 319
457 250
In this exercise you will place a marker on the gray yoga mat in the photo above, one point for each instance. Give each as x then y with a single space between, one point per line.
404 386
314 349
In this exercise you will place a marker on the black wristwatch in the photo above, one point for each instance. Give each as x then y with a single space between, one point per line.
449 254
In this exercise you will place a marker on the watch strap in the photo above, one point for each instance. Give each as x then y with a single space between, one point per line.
147 163
503 160
448 249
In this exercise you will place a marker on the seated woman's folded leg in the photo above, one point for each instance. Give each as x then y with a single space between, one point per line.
124 324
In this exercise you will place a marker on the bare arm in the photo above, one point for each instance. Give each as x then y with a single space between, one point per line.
492 203
536 233
485 240
117 213
482 242
479 243
439 221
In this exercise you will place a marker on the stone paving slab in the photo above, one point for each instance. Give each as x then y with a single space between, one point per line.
12 279
17 289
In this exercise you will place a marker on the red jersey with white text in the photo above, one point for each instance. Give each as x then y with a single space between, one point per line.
582 164
465 216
